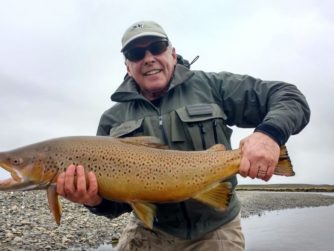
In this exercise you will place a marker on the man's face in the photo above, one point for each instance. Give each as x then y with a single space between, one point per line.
153 72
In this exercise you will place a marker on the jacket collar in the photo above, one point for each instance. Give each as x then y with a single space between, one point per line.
128 90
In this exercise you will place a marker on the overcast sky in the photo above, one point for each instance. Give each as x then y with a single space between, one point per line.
60 61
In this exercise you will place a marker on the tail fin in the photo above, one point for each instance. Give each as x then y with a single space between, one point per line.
284 166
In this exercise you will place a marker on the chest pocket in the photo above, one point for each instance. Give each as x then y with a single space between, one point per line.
205 125
127 129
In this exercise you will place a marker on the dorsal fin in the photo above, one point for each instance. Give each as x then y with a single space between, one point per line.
148 141
217 148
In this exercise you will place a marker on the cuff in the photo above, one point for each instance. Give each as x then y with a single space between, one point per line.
273 132
104 206
110 208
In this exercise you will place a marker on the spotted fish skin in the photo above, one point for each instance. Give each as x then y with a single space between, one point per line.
135 170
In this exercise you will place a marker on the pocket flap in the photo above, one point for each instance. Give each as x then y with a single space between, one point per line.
200 112
199 109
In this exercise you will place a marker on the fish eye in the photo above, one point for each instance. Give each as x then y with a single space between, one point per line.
16 161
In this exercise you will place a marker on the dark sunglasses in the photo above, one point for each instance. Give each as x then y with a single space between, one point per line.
138 53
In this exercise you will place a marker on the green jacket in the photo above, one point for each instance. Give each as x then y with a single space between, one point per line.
194 115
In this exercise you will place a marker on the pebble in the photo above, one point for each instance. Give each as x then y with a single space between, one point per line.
27 224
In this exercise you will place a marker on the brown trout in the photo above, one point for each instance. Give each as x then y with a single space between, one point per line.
137 170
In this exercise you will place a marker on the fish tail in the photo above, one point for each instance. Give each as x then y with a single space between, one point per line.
284 166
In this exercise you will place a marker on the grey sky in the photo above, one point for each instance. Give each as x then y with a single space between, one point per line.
61 60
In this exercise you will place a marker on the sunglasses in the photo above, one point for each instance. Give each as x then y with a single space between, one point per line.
138 53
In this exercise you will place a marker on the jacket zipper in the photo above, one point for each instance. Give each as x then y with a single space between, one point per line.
162 130
215 135
202 132
183 206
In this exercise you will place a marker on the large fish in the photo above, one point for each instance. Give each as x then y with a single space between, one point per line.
135 170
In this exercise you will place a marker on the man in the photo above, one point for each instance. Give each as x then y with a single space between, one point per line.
189 110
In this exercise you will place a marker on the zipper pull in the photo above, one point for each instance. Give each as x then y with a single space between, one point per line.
202 128
215 134
202 132
163 130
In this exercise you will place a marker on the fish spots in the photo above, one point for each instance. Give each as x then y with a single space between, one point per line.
198 179
48 163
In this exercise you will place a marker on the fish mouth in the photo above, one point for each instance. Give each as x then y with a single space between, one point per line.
16 181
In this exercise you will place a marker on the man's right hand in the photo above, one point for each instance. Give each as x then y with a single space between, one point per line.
74 185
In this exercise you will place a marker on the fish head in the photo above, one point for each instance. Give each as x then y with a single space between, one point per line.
26 169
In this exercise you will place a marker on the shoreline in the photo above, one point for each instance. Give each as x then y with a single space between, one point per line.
287 187
27 224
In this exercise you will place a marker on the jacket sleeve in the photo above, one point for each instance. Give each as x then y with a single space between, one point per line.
108 208
275 108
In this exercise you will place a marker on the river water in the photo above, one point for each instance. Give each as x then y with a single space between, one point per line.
302 229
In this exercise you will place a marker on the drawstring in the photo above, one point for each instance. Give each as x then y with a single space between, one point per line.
194 60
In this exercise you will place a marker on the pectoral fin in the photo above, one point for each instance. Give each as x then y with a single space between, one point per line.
54 203
217 196
145 211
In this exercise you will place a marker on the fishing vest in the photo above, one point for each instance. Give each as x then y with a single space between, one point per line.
187 118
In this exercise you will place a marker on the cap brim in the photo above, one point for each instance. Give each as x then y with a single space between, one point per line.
143 34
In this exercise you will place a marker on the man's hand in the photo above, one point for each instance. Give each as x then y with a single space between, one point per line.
260 155
74 185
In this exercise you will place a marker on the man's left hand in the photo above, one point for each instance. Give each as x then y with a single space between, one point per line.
259 156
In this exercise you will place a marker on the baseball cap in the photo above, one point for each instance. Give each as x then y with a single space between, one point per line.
142 29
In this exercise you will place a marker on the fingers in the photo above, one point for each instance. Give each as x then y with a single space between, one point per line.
249 164
244 167
261 172
270 172
252 163
60 184
265 172
94 197
69 185
259 156
81 183
257 171
74 185
93 187
254 171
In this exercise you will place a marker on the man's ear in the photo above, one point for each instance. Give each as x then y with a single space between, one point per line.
127 68
174 55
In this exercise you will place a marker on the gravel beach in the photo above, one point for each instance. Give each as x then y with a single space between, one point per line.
27 224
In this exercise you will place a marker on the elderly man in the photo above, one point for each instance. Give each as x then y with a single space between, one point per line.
189 110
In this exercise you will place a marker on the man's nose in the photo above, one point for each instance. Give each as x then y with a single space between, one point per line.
149 57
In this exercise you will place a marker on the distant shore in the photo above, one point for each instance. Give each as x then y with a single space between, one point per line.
26 223
288 188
